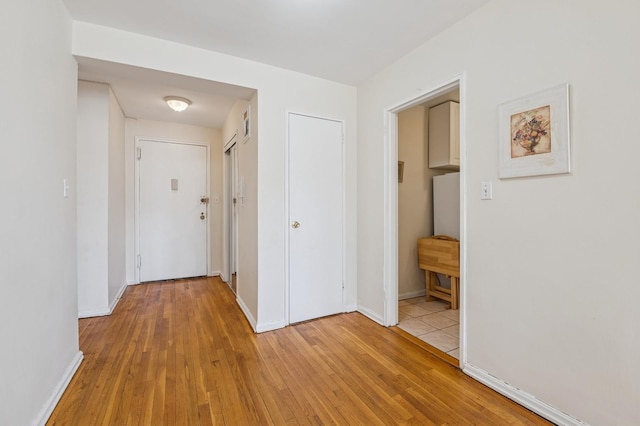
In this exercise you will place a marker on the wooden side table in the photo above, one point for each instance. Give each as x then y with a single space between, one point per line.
440 254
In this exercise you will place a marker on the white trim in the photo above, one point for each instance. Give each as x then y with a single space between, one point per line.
390 264
287 221
53 400
350 308
136 202
270 326
371 315
247 313
232 141
88 313
412 294
116 299
462 294
214 274
287 282
523 398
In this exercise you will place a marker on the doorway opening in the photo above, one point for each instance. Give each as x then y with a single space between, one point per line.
410 216
230 213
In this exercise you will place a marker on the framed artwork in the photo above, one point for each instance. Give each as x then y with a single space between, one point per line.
400 171
534 134
246 124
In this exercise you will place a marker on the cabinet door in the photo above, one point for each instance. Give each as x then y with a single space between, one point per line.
454 129
444 136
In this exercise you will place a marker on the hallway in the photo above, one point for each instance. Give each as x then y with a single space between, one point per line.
181 352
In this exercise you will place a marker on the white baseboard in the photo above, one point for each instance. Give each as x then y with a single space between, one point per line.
116 299
90 313
247 313
132 282
411 294
262 327
94 313
350 308
371 315
215 274
51 403
521 397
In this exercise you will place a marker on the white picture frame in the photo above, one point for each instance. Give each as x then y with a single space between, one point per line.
534 134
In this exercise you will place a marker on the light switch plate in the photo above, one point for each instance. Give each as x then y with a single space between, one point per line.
486 190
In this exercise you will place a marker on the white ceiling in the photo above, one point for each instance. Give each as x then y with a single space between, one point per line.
141 93
346 41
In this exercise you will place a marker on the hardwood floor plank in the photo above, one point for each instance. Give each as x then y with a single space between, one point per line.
182 353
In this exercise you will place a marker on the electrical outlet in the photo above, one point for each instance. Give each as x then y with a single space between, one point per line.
486 191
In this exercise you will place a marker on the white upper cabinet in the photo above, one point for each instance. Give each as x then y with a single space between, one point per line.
444 136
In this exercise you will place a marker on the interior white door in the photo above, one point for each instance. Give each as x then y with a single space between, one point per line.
315 213
172 216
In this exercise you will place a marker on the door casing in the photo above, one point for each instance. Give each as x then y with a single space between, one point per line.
390 278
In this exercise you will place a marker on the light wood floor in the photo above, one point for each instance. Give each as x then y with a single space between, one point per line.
181 353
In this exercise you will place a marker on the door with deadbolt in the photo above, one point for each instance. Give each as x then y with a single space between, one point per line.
315 217
172 210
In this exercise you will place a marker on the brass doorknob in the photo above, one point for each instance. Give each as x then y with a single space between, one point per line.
295 224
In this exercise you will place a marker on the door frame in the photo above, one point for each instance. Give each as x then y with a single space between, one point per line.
390 277
136 220
226 220
287 227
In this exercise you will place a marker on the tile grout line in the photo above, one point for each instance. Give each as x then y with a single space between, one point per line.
436 330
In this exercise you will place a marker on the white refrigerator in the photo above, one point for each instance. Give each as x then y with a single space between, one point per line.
446 205
446 211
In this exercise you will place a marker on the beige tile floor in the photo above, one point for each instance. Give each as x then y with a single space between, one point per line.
432 322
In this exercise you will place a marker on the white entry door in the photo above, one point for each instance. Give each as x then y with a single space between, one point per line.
171 211
316 217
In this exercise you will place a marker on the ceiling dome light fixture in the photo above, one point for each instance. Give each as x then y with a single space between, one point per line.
177 103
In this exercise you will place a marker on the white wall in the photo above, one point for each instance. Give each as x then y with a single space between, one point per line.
100 206
247 150
180 133
38 307
279 91
93 201
116 208
551 270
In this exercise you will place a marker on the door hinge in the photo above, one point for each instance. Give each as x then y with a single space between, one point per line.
139 260
139 152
